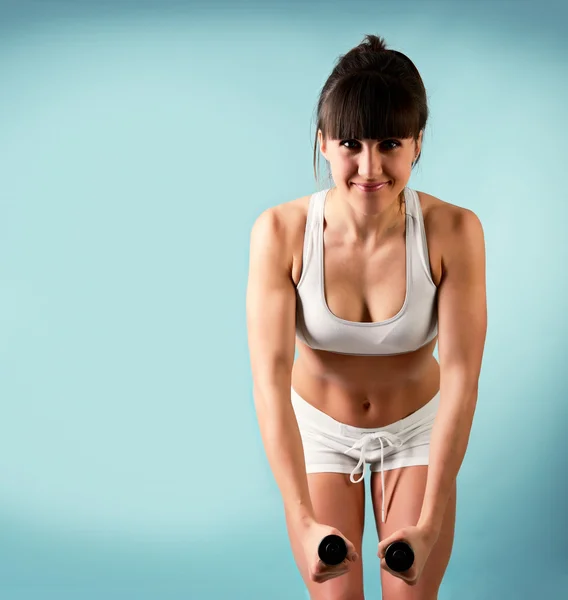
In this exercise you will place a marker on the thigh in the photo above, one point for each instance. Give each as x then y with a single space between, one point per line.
340 503
404 492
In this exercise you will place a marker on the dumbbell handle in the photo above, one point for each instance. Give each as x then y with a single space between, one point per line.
332 550
399 556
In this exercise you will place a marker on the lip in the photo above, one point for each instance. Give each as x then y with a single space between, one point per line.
371 188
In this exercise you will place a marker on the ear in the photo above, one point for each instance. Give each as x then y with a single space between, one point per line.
322 144
419 144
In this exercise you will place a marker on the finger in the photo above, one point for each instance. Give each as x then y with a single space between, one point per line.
331 575
399 575
385 567
332 570
383 547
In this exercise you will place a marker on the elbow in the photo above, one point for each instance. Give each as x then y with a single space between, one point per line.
273 379
464 373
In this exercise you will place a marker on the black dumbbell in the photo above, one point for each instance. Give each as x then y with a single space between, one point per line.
399 556
332 550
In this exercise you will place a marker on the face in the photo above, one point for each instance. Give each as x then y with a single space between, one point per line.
366 161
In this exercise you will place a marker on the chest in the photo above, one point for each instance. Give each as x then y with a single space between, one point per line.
362 283
368 282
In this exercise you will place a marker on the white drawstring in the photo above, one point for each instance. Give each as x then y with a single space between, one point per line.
362 443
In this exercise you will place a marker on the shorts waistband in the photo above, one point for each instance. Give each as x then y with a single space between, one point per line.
311 414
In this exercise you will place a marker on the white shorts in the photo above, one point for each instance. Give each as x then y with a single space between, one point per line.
334 447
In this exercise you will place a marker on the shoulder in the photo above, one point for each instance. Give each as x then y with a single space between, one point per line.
283 224
454 229
284 216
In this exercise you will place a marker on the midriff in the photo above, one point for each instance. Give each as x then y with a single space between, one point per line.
366 391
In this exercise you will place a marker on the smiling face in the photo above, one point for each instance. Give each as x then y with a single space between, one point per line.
367 161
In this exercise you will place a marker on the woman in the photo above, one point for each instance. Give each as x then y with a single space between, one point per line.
368 276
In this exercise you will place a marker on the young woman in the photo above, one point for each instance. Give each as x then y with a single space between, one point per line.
367 276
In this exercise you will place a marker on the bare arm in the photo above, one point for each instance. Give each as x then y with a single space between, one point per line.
462 323
271 313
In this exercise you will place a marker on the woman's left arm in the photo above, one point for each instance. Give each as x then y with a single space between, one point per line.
462 325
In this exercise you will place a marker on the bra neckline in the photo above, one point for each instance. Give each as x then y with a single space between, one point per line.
408 278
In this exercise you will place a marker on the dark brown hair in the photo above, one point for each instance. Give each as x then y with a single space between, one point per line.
373 92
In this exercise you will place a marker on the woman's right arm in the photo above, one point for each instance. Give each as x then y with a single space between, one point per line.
271 325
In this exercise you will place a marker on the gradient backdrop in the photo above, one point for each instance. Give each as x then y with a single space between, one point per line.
138 143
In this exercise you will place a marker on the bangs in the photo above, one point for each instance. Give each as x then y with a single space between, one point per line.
370 106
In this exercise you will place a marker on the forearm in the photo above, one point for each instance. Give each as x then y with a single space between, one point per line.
284 450
448 444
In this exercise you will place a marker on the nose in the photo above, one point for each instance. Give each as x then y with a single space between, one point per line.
370 164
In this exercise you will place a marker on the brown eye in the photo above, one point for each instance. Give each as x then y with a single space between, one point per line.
385 144
348 142
390 144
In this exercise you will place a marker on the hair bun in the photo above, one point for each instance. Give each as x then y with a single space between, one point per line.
373 43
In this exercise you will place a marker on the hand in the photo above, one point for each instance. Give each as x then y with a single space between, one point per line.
318 571
420 540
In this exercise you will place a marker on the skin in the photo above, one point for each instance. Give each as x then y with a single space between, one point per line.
367 217
364 280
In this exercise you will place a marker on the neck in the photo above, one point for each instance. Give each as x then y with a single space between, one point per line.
365 221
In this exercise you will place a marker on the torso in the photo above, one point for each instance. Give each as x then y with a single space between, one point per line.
366 284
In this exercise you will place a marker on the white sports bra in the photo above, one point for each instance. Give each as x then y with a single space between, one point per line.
416 323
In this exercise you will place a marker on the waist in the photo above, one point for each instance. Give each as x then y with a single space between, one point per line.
366 391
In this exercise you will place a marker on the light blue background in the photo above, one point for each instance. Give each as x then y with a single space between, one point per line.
138 143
